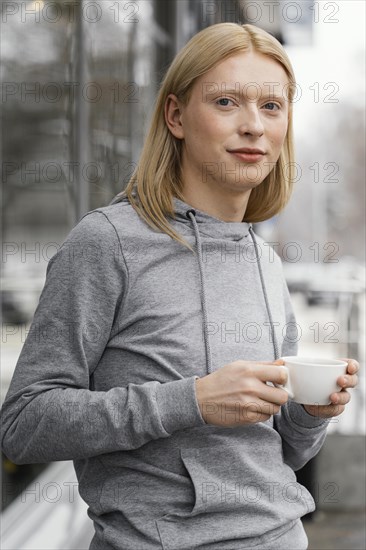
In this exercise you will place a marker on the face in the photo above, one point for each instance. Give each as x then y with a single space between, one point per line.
239 104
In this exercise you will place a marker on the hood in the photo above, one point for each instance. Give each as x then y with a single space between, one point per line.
209 225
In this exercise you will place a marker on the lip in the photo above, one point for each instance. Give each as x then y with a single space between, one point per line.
247 150
247 157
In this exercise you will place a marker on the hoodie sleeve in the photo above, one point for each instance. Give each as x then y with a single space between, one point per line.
302 434
50 413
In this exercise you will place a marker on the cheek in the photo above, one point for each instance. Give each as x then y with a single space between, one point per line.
278 135
207 125
194 129
203 132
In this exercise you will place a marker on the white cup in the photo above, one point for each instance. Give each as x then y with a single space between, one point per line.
310 380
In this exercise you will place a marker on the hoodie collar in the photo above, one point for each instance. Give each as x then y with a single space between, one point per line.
209 225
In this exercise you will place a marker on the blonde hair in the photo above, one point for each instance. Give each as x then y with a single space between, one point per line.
157 177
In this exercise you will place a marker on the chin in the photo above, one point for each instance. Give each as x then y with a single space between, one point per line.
245 185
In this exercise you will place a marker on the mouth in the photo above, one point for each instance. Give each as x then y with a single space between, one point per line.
248 155
247 150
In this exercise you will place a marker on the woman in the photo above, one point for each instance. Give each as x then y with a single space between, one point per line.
163 318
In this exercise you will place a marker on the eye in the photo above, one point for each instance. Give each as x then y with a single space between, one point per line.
272 106
225 101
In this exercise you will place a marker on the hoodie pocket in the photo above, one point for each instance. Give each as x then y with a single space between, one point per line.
242 493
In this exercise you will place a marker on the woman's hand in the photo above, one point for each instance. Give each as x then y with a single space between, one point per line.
238 393
338 399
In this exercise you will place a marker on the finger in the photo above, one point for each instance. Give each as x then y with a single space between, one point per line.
348 381
277 374
353 365
275 396
259 363
340 398
254 417
325 411
260 407
240 362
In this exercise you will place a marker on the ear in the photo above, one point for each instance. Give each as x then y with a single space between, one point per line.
173 112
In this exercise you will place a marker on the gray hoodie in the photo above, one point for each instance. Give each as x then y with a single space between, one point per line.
127 319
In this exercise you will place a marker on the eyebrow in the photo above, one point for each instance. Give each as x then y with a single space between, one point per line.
234 91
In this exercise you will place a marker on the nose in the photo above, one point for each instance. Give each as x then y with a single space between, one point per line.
251 122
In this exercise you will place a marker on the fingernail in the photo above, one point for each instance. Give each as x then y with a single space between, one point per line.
344 381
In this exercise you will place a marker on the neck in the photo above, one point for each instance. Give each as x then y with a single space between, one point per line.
228 207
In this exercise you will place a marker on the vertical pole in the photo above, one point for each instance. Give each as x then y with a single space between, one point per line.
164 11
181 22
81 120
133 136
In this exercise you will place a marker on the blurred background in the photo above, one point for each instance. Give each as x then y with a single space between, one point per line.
78 82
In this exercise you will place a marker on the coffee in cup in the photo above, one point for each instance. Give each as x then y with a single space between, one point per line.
311 380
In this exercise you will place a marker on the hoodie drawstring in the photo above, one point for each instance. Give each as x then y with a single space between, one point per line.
191 215
264 290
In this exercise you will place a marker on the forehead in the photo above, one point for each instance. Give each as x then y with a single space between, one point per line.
243 73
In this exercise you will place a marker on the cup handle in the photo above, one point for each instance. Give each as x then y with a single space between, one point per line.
287 387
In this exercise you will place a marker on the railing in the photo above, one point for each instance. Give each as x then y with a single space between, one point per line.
49 514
